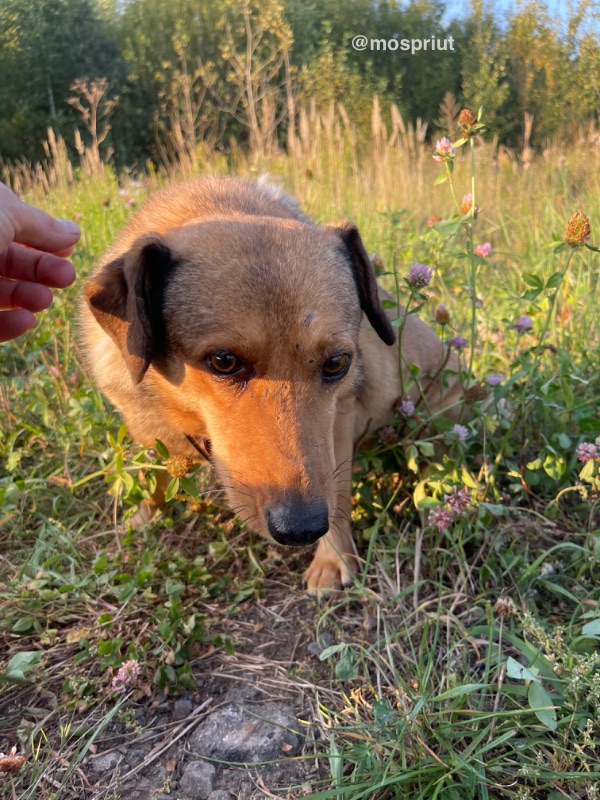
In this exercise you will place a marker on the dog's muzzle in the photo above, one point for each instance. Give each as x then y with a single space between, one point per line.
297 523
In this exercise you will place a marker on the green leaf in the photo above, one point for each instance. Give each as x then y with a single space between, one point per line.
331 651
555 466
172 489
554 281
345 669
122 433
588 470
459 691
591 628
190 487
20 664
441 179
447 226
533 280
518 672
161 448
411 459
538 697
23 624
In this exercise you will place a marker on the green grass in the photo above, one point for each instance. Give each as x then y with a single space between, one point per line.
431 702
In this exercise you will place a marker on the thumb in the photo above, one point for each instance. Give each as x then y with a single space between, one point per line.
37 229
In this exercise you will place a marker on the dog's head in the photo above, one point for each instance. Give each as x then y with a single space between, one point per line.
246 332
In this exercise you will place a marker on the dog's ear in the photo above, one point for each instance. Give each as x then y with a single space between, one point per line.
364 277
126 298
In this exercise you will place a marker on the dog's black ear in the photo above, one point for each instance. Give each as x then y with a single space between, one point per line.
126 297
364 277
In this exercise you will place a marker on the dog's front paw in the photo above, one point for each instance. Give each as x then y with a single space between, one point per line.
330 571
145 514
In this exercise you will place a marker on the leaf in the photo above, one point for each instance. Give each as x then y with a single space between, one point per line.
518 671
161 448
459 691
345 669
330 651
538 697
20 664
441 179
555 466
554 281
591 628
172 489
533 280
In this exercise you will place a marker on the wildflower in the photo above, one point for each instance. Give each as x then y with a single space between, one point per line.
11 763
458 499
467 121
419 276
377 262
495 379
483 250
56 371
440 518
505 607
404 408
523 324
461 432
128 673
129 202
442 317
578 230
444 150
587 451
432 221
388 436
467 204
458 342
78 217
178 466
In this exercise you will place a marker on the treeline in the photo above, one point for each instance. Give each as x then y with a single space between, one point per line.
178 73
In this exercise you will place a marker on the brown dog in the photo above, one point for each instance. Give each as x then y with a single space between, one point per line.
224 320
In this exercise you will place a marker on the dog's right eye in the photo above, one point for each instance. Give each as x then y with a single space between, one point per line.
222 362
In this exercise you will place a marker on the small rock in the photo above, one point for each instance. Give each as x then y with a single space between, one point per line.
220 794
198 780
182 708
324 641
266 732
106 761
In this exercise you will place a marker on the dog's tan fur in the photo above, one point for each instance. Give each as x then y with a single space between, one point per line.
228 265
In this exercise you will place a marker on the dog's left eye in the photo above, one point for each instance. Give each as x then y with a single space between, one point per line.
336 367
222 362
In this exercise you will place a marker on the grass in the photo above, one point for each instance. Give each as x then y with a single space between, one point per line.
464 664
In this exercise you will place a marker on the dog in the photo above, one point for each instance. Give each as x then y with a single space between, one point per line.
223 321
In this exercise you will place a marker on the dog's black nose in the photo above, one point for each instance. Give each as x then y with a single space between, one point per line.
297 522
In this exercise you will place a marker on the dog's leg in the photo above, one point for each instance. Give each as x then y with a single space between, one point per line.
149 508
335 563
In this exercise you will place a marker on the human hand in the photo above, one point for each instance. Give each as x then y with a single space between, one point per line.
33 251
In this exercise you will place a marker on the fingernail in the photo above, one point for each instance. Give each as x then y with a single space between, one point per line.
69 227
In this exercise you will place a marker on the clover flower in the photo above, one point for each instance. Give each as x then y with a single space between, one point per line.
128 673
587 451
442 315
523 324
458 499
404 408
483 250
495 379
419 276
444 150
377 262
432 220
461 432
388 435
467 204
578 230
440 518
467 121
458 342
